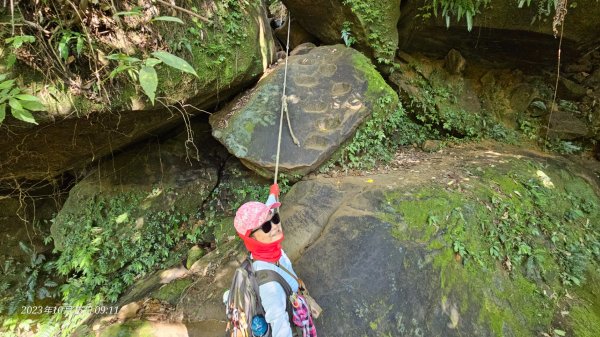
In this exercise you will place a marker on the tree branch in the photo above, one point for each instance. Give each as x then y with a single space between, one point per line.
184 10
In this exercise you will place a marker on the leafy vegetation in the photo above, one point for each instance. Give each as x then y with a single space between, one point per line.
519 221
436 106
21 104
372 15
534 236
144 72
109 246
25 282
378 138
449 9
122 247
349 40
82 49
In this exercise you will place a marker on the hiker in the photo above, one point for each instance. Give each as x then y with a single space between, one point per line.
259 226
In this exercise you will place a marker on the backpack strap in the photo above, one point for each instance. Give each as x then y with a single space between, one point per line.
266 275
253 278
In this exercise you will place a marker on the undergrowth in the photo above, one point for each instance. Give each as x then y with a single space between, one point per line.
378 138
546 233
108 246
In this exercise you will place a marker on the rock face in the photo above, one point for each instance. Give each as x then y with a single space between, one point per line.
376 274
77 131
160 172
502 31
371 23
330 91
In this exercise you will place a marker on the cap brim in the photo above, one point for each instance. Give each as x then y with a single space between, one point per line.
274 205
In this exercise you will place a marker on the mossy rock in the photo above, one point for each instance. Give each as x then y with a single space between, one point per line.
78 129
171 292
413 253
194 254
330 91
372 24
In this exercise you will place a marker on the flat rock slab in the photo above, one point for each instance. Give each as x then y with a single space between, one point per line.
330 90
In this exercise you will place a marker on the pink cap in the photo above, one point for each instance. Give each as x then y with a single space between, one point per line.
252 215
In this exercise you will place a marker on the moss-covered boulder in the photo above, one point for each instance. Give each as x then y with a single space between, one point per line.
86 121
149 178
136 212
483 246
369 26
330 91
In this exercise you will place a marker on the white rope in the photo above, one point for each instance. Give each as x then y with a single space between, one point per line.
284 103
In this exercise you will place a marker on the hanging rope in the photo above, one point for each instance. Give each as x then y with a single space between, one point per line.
284 106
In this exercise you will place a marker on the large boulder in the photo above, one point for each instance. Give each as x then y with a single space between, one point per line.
148 178
371 25
77 130
405 253
330 91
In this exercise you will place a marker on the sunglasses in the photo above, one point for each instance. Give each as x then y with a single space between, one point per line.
266 227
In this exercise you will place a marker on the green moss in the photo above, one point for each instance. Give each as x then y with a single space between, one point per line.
378 18
194 254
585 314
376 84
172 291
503 239
380 135
129 329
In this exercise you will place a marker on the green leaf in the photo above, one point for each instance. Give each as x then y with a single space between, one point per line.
50 284
148 81
15 104
127 13
168 18
63 47
175 62
11 59
79 47
469 16
559 332
2 112
33 106
119 70
151 62
123 57
26 97
3 77
122 218
23 115
6 84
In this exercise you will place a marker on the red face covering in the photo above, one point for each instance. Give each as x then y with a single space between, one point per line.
269 252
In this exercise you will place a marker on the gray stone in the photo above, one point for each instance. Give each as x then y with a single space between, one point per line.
455 63
431 145
564 125
303 49
570 90
168 174
325 19
330 91
298 35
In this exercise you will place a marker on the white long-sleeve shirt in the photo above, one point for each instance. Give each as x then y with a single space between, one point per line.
273 296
